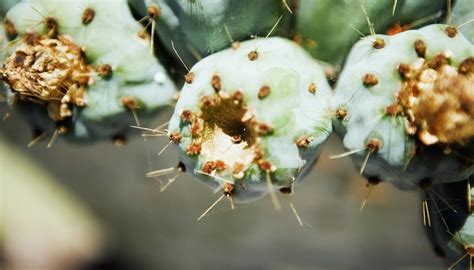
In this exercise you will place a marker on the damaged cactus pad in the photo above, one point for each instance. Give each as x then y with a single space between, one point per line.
85 63
408 103
252 119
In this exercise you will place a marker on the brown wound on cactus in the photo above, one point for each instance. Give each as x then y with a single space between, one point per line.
27 71
10 30
88 16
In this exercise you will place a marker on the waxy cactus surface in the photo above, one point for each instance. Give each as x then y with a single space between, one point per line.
256 111
408 100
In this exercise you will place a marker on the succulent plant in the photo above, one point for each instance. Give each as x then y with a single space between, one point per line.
451 228
407 106
198 28
252 119
85 62
329 28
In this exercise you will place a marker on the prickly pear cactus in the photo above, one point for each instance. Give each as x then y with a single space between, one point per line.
405 106
329 28
252 119
85 62
451 230
201 27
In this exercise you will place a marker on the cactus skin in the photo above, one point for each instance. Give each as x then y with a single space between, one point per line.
457 239
250 112
109 38
197 27
463 12
371 91
5 5
325 25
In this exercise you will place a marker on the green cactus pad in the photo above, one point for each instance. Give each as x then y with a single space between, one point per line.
112 68
403 96
329 28
245 114
199 28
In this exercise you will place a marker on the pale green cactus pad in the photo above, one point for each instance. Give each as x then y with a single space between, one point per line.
201 27
329 28
250 115
86 62
406 106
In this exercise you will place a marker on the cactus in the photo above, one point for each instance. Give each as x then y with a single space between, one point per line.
199 28
102 67
253 118
407 106
328 28
5 5
452 231
463 17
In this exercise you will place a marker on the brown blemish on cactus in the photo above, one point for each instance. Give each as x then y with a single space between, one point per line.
175 137
28 72
373 145
226 115
220 165
263 129
438 61
238 97
378 43
420 48
304 141
341 113
370 80
187 116
312 88
153 11
51 24
393 110
451 31
236 139
467 66
189 78
130 102
228 189
238 170
208 167
265 165
194 148
10 30
437 101
207 101
196 129
104 71
88 16
263 92
216 83
253 55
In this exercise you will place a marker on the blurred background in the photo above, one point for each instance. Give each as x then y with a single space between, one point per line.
132 225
